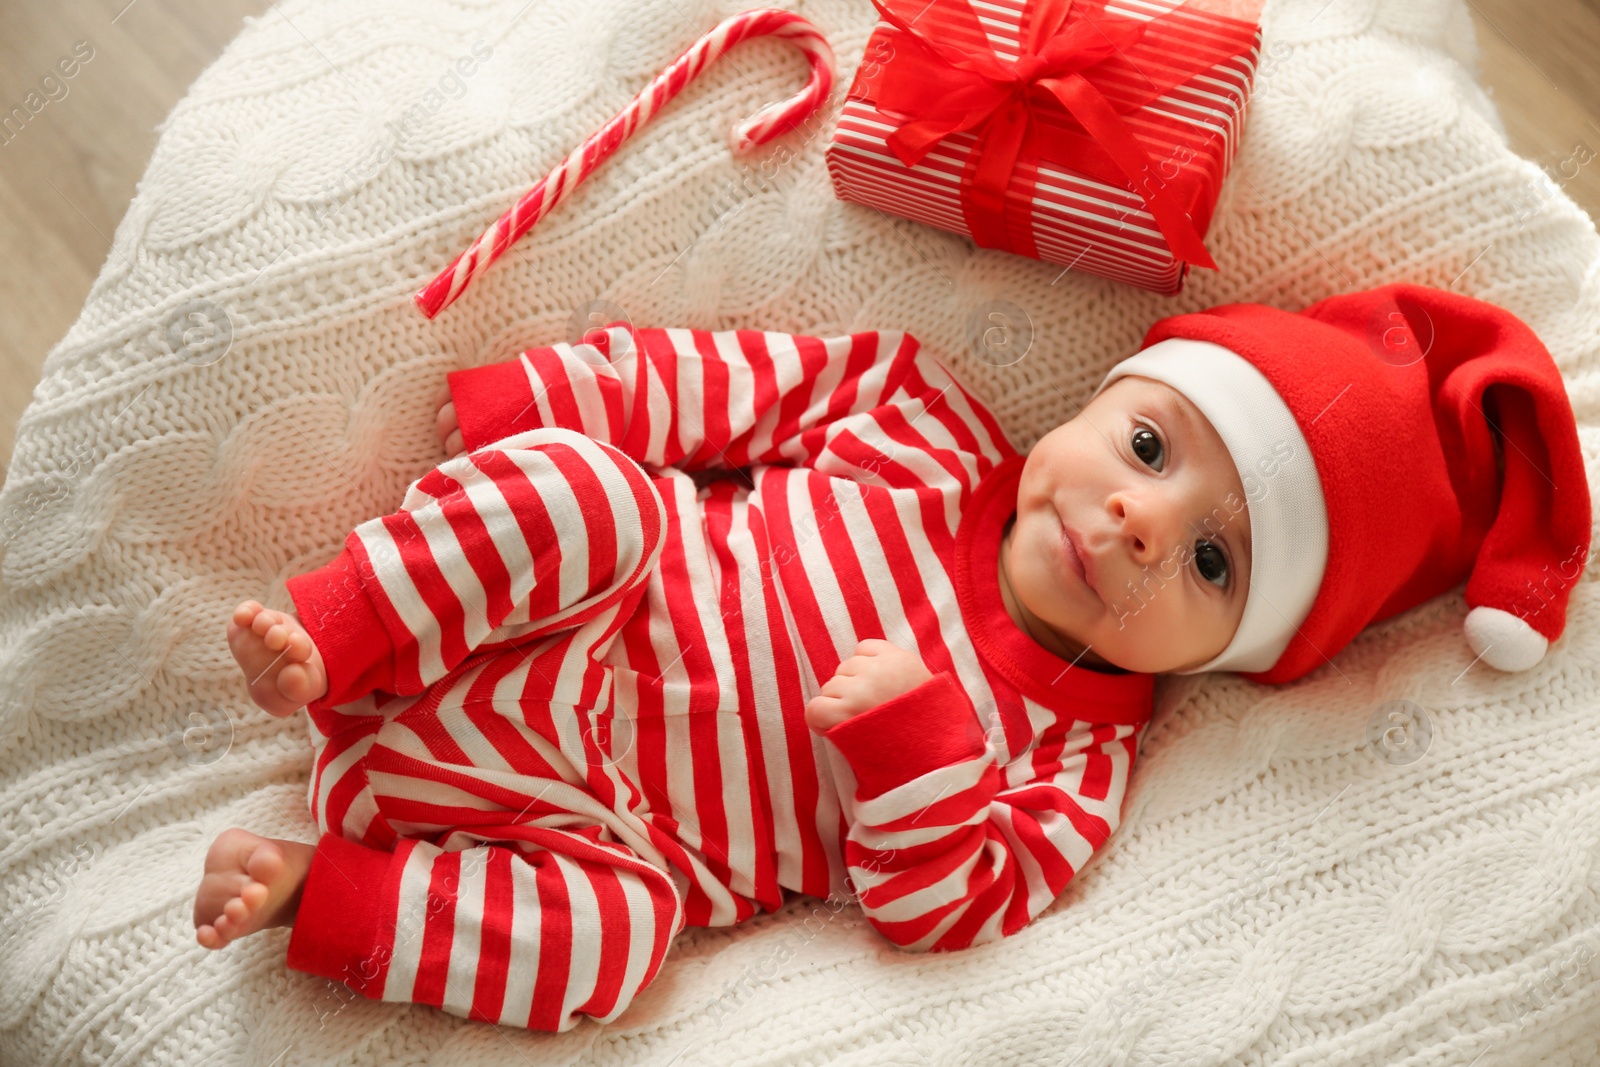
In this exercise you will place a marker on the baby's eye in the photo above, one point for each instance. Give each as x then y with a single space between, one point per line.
1147 446
1208 557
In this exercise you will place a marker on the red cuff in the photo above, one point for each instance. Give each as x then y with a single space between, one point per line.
932 726
336 611
343 928
492 402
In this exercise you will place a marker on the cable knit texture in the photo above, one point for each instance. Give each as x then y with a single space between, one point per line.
1394 861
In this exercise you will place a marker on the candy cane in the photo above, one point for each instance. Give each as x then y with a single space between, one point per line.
771 121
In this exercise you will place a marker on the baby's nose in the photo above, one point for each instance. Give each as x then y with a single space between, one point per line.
1152 536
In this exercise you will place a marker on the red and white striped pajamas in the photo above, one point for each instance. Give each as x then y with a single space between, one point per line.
567 677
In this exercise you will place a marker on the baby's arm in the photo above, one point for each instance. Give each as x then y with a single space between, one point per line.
939 846
868 406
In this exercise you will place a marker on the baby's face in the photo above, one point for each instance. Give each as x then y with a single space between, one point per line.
1155 506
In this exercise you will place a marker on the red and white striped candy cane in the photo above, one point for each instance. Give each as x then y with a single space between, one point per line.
763 126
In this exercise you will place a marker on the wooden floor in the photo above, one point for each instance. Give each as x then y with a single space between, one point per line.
67 175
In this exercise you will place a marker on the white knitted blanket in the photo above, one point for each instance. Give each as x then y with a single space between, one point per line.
1308 875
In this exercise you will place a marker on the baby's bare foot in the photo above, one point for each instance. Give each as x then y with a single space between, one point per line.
250 883
446 425
281 663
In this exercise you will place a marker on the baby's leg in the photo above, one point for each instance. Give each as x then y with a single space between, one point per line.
538 929
517 894
533 534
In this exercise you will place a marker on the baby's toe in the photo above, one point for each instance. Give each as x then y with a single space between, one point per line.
294 683
216 889
276 637
265 863
299 647
254 895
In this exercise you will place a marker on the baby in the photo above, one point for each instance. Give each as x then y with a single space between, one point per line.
693 620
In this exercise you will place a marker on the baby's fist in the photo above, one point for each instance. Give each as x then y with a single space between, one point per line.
878 672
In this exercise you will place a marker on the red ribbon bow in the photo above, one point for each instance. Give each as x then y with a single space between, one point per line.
945 74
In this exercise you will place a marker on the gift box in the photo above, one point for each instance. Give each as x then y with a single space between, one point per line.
1088 133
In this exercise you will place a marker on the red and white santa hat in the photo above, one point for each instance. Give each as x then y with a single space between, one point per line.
1364 431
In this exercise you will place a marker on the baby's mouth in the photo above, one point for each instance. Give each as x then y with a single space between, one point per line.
1072 560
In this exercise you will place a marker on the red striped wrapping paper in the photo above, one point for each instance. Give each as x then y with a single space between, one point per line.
1190 134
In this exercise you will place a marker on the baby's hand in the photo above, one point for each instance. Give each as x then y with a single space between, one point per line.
445 424
878 672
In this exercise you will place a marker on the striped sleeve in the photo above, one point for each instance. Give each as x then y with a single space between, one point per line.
559 925
536 533
869 406
942 855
